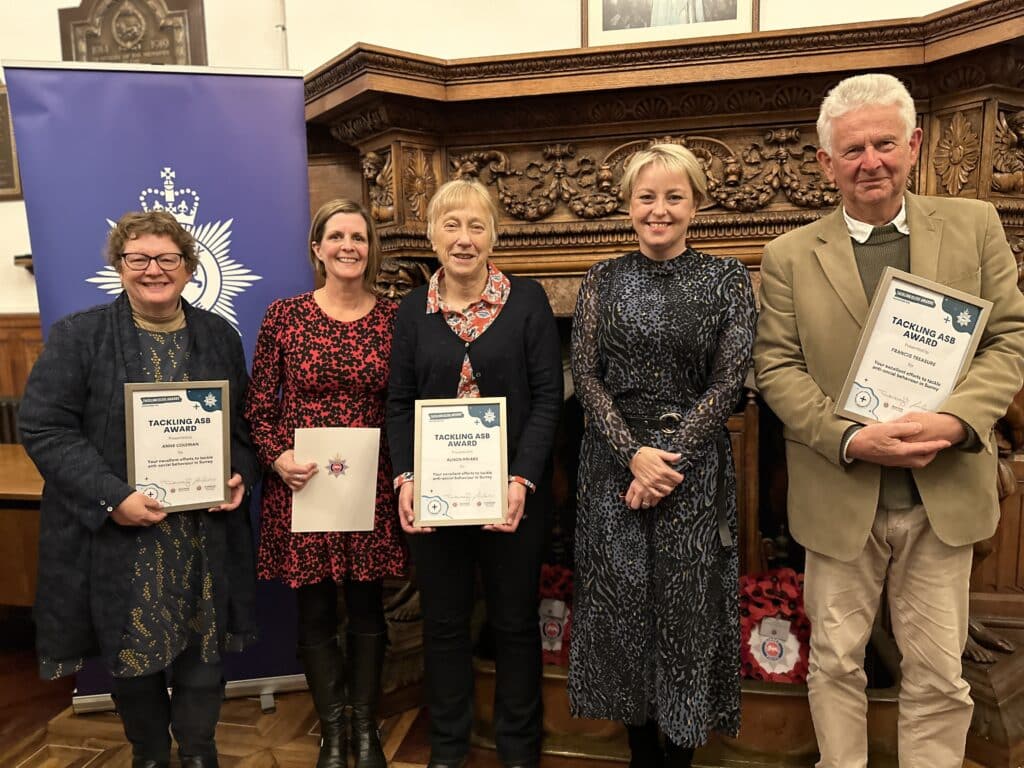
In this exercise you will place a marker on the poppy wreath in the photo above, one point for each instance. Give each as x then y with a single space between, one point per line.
777 593
556 584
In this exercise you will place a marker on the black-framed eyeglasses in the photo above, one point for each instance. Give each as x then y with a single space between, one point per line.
140 261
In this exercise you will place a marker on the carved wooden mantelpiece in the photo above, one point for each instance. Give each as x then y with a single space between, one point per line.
549 133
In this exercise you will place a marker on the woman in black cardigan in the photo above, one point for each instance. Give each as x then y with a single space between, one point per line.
152 593
475 332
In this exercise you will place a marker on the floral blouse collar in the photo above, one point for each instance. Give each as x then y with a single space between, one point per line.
495 292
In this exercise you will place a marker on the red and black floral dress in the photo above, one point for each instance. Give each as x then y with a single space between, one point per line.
313 371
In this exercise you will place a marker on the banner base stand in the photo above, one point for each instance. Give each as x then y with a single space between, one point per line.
262 687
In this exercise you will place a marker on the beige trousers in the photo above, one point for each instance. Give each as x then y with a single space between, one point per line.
928 587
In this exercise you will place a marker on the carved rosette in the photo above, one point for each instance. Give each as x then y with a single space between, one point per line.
956 154
419 182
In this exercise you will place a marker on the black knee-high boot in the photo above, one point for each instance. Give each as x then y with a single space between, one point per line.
145 714
194 715
677 756
644 747
366 659
323 666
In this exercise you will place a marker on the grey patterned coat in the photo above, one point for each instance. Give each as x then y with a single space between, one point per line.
72 425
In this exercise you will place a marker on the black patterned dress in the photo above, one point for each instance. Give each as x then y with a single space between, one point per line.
655 630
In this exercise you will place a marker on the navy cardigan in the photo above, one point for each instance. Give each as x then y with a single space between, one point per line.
72 425
518 357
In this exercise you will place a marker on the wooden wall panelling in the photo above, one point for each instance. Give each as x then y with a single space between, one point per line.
21 341
997 584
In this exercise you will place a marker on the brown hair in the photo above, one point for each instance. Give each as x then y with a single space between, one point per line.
316 233
137 223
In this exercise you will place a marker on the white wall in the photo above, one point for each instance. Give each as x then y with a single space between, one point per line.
787 14
245 33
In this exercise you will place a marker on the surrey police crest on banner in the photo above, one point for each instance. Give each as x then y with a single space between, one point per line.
218 279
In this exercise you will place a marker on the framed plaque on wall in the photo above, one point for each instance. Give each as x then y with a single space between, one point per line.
134 32
10 179
615 22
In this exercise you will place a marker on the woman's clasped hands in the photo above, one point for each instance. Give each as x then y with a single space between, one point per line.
653 477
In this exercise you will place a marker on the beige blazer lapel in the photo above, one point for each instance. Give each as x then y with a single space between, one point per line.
925 237
835 255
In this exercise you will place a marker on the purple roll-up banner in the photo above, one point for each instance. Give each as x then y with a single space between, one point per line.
225 151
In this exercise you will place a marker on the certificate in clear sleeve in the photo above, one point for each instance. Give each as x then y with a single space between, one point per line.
917 344
178 440
342 495
461 468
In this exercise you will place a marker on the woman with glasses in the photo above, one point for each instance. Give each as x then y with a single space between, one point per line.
160 597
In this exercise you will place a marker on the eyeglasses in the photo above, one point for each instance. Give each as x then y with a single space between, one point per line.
168 262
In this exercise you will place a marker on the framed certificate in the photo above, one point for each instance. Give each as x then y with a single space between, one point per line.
179 442
461 462
342 495
918 342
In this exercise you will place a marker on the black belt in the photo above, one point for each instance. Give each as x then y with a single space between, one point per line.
669 423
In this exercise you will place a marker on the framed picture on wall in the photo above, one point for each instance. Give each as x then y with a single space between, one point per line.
617 22
10 179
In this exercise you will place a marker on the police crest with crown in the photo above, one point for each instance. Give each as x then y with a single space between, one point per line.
218 278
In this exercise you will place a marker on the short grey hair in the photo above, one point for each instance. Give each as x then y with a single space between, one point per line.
863 91
462 193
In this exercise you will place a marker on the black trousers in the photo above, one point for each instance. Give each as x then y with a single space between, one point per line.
446 564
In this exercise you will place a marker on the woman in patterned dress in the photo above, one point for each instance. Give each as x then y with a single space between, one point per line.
476 332
157 595
322 361
661 345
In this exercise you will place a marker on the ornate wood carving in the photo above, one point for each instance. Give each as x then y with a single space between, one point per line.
1008 156
549 133
957 153
379 175
419 182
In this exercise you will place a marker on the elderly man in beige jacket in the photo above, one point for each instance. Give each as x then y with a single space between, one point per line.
895 504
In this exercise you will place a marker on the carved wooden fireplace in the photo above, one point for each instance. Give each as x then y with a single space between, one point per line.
549 133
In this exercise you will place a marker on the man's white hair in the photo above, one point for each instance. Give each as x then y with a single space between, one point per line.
863 91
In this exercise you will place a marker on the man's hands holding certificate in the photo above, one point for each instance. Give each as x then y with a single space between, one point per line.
911 442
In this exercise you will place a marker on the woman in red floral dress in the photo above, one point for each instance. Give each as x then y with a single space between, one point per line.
322 360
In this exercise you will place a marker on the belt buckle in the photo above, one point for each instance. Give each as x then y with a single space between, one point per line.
669 422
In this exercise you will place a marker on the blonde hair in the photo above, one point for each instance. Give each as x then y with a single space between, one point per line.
673 158
316 233
460 193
